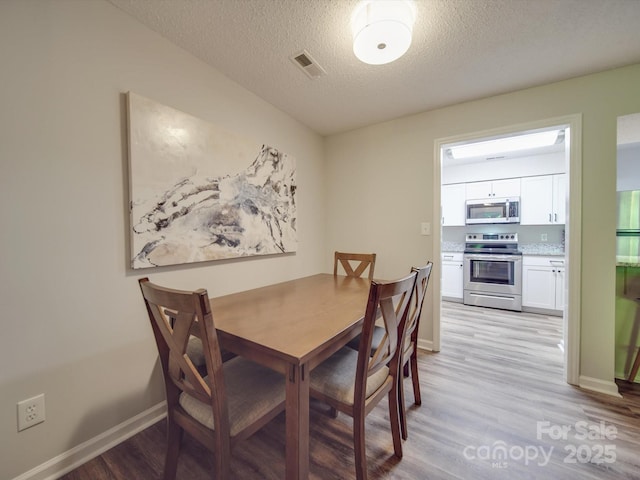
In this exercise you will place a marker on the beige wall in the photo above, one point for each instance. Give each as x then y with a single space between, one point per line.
74 326
380 181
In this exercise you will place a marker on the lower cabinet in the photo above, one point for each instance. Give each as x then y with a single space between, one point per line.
452 279
543 280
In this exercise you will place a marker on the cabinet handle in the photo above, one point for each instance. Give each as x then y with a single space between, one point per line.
550 218
555 217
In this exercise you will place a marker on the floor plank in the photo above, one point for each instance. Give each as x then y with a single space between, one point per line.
494 387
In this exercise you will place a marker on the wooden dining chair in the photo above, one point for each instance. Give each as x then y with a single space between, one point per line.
354 264
409 360
219 407
354 382
410 350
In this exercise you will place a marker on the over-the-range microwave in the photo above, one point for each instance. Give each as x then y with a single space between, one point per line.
493 210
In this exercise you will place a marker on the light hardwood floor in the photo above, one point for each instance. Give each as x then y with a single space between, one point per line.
496 387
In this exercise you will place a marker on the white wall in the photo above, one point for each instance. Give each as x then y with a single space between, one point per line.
74 326
394 165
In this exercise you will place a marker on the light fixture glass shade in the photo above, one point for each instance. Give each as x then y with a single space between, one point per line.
382 30
504 145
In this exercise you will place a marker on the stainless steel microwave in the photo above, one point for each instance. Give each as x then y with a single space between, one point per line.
493 210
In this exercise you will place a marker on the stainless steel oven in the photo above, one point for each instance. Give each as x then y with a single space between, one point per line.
493 271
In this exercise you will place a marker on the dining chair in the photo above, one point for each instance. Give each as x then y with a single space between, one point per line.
409 362
219 407
354 382
354 264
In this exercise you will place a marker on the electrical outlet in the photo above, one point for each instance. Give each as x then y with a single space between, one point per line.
30 412
543 237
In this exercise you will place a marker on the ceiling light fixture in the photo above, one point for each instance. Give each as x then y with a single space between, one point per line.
504 145
382 30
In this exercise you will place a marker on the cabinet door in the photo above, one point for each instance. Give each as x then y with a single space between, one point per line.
506 188
538 287
452 280
536 200
560 198
475 190
559 273
453 197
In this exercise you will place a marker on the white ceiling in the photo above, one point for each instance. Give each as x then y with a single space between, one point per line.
462 50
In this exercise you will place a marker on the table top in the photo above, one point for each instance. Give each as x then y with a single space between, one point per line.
293 321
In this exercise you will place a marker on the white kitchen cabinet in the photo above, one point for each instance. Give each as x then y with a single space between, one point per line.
453 197
506 188
543 200
543 283
452 279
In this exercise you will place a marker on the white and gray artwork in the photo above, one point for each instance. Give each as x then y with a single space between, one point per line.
199 193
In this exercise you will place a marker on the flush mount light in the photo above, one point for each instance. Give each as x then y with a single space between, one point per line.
505 145
382 30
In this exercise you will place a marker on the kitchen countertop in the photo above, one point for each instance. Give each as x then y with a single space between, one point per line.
541 249
627 261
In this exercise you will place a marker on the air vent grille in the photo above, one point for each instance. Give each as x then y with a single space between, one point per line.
305 62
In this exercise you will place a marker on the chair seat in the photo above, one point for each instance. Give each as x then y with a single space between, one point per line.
195 351
241 376
378 335
335 376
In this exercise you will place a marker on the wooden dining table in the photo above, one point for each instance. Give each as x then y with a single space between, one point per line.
291 327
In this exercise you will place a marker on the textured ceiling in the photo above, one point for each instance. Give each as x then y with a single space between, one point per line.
462 50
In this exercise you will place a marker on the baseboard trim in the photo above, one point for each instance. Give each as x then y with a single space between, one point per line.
71 459
425 345
597 385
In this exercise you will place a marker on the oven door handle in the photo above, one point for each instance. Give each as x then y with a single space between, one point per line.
489 257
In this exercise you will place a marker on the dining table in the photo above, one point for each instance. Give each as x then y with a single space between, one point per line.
292 327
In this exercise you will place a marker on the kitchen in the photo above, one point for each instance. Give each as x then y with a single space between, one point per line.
503 235
503 217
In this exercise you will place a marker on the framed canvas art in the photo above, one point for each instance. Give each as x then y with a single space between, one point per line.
199 193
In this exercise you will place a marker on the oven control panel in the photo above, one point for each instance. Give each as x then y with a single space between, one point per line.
492 237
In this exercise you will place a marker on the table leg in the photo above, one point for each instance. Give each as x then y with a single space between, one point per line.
297 421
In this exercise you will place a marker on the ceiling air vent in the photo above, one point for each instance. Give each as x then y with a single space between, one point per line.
307 64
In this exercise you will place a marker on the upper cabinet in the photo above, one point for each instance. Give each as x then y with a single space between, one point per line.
453 204
507 188
543 200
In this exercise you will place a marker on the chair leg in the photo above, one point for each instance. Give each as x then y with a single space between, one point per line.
402 409
174 440
394 415
414 378
359 446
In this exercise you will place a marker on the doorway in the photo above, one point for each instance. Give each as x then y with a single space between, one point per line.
571 126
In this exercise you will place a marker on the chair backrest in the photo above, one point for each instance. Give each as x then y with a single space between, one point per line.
361 261
174 316
389 304
413 320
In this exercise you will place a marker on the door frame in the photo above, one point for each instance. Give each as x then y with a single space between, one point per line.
573 227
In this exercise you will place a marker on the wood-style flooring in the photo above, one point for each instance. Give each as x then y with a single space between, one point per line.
494 406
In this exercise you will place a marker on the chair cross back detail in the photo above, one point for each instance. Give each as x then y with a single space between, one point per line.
175 315
422 282
391 305
355 264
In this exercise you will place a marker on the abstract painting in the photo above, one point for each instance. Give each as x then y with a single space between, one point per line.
199 193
